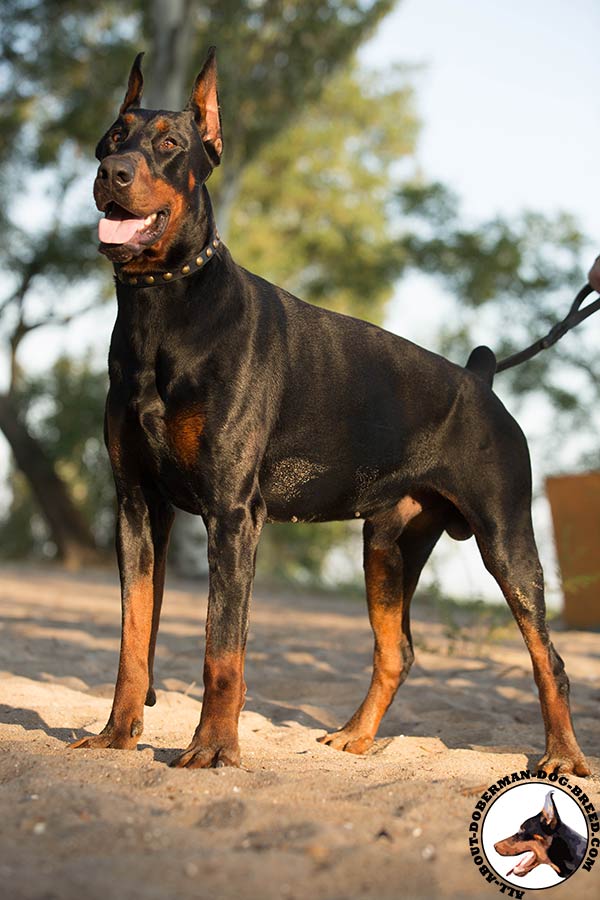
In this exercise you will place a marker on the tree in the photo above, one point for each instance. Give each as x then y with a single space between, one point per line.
63 66
512 281
315 211
308 192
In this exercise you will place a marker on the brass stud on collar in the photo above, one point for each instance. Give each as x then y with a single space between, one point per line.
204 255
357 514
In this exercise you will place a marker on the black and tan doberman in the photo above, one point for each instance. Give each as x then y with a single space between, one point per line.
234 400
545 840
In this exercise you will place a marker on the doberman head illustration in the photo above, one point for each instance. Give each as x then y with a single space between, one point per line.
546 840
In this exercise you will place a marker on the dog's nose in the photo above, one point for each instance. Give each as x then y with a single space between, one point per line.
117 171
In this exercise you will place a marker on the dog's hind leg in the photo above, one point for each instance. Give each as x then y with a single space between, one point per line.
510 554
393 564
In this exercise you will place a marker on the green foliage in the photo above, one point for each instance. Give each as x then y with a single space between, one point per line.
64 66
22 531
498 260
313 211
298 553
310 194
55 57
275 58
512 281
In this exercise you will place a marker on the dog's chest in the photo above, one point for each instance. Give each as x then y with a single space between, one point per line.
170 434
164 443
149 416
162 433
137 423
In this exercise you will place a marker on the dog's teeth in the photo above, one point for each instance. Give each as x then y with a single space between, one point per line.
150 219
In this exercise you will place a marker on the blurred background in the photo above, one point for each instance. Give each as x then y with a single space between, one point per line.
427 165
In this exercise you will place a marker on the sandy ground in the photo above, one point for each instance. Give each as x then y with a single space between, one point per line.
299 820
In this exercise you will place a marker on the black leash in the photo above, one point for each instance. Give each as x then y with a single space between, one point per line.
573 318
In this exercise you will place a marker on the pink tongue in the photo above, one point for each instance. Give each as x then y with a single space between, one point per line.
118 231
522 864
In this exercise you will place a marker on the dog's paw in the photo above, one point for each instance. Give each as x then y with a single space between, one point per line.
215 754
110 738
348 741
564 764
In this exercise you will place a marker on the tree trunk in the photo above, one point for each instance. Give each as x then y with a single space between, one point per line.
74 542
172 32
224 200
170 78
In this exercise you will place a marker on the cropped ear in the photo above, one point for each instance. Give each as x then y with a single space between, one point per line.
204 103
135 85
549 812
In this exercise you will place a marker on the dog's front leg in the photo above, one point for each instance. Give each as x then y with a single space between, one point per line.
143 526
232 542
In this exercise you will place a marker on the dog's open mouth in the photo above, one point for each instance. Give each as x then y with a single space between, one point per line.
121 226
524 865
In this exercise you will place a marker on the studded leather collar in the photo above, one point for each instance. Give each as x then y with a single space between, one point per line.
153 279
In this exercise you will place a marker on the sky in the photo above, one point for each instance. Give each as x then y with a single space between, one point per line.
507 94
508 99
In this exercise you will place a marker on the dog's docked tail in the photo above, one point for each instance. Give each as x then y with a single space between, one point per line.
483 362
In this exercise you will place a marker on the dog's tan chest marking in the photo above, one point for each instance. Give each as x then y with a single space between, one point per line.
184 430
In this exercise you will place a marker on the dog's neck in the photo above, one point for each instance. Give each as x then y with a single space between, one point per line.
191 253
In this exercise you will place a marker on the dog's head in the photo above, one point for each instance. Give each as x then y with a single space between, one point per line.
153 164
534 838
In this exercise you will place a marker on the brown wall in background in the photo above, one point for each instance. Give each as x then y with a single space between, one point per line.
575 503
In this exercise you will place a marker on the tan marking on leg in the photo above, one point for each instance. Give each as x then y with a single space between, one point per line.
392 654
388 664
224 689
125 724
562 750
377 575
215 742
555 707
133 677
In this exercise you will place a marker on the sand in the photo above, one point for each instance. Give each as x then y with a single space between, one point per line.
299 819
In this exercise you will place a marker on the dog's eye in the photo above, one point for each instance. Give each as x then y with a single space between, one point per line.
167 144
116 136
